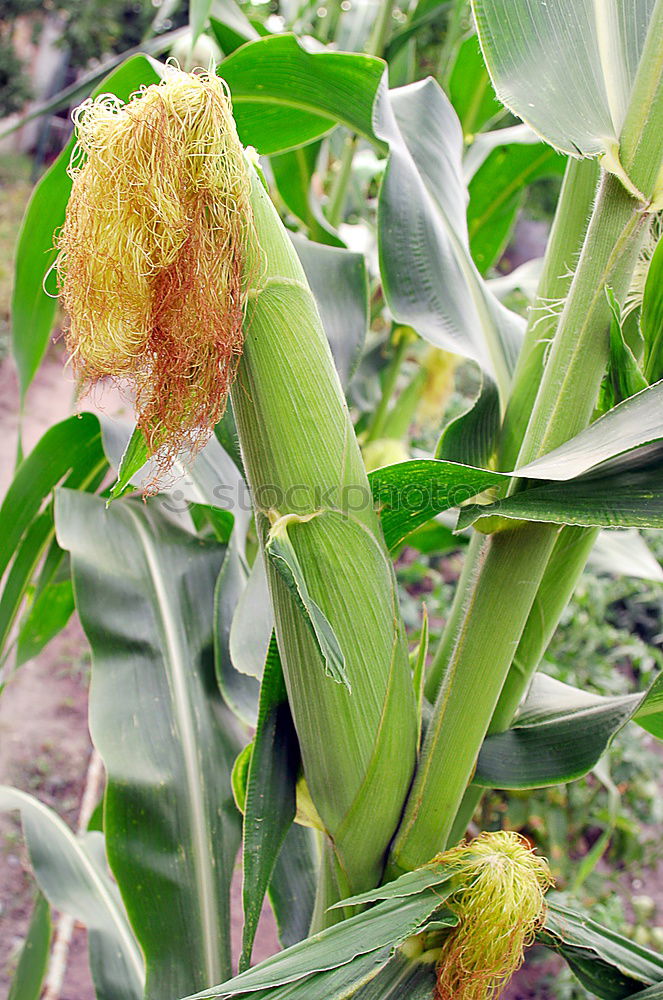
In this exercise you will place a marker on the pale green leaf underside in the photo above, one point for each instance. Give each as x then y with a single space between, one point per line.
566 67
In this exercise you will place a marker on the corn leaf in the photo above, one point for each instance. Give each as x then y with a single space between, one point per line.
470 88
283 556
624 499
651 316
496 194
410 493
429 279
471 438
339 283
338 983
400 978
286 96
230 26
293 173
631 424
384 926
144 592
609 965
252 623
625 553
560 733
28 979
578 100
269 807
69 873
293 885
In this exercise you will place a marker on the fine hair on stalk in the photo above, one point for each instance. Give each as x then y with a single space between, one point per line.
152 255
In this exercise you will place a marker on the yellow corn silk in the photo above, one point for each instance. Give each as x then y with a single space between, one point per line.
500 902
151 262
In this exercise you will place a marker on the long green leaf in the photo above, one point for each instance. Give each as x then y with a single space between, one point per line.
386 925
144 593
560 733
610 965
622 500
270 794
496 193
631 424
578 100
339 283
285 96
33 308
410 493
651 317
400 978
293 174
70 877
429 278
282 554
28 979
470 89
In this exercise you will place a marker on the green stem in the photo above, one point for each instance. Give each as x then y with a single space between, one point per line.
339 188
569 388
388 385
564 245
510 563
381 29
513 562
453 34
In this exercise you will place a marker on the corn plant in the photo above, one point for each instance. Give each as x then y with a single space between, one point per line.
252 687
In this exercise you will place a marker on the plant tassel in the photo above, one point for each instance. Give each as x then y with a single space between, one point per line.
500 904
151 263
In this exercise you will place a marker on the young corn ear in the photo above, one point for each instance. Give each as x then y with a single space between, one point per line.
301 455
500 903
170 240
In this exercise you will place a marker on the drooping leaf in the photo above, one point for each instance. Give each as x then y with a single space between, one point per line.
252 623
611 966
429 279
293 174
560 733
339 283
398 979
410 493
471 437
281 552
28 978
411 884
269 808
651 316
470 89
578 100
45 619
69 875
240 691
625 553
230 26
622 499
144 592
496 193
33 307
385 925
285 96
632 424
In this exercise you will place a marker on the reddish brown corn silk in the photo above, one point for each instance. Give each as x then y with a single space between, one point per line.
151 255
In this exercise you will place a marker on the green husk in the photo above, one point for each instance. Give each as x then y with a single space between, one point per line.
358 738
